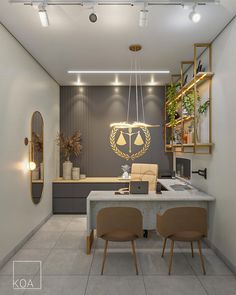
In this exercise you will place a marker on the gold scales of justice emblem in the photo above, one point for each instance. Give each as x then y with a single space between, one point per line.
138 136
132 141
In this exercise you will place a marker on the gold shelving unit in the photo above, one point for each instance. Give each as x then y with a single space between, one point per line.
185 120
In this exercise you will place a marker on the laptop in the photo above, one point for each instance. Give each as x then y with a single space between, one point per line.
138 187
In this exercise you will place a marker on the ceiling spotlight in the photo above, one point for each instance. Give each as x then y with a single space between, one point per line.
93 17
194 16
43 16
143 17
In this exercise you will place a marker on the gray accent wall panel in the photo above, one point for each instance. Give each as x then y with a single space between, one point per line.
91 110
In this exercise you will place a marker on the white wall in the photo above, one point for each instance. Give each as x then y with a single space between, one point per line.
221 165
24 88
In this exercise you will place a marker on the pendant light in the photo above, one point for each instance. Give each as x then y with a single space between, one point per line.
139 123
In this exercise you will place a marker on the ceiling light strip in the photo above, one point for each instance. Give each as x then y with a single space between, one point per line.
132 3
119 72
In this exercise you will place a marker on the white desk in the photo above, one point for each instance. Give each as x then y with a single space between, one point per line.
149 204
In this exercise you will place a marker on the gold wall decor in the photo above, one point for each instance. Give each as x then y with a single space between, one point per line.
130 143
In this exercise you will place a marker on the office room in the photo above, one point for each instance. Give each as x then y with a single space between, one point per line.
117 147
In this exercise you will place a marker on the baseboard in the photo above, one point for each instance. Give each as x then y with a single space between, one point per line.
221 256
22 242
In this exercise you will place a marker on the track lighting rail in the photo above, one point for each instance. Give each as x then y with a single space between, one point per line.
128 3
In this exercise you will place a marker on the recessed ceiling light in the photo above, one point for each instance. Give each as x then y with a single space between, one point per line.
119 72
93 17
116 82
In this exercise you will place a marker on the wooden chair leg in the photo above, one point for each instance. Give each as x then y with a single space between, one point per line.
171 255
135 258
164 247
192 249
201 257
104 257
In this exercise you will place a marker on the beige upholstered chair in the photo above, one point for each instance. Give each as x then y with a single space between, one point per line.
145 172
186 224
120 224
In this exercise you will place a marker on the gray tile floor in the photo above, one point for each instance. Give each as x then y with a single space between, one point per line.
67 270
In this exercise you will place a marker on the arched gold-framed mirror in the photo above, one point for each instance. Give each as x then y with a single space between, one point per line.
37 157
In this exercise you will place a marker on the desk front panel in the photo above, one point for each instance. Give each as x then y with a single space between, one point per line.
71 197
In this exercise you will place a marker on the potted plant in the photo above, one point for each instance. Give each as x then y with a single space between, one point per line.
171 99
69 145
188 103
202 109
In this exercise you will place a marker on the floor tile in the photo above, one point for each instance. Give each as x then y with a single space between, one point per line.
153 264
6 286
117 263
153 241
77 224
26 255
67 262
173 285
62 217
43 240
61 285
113 245
187 247
113 285
72 240
55 225
213 264
219 285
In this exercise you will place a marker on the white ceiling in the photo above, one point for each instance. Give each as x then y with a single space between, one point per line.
72 42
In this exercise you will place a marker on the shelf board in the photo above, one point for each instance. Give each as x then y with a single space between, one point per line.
204 144
198 145
200 78
179 121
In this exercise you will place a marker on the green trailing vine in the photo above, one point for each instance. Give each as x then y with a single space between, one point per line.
171 99
203 108
188 102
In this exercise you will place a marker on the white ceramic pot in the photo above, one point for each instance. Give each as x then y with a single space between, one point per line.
75 173
67 170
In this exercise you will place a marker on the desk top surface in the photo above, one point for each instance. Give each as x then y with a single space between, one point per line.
165 196
171 195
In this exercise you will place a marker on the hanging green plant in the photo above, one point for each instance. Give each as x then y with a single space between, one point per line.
188 102
171 99
203 108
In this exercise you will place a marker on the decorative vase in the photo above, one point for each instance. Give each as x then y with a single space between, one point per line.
125 175
67 169
41 171
75 173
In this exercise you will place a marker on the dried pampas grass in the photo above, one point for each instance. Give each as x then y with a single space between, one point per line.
70 145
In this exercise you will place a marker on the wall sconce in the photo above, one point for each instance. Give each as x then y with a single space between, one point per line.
31 164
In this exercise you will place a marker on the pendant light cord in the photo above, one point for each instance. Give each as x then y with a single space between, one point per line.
130 82
141 93
136 87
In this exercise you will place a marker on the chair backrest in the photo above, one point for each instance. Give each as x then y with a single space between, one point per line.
119 218
145 172
179 219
